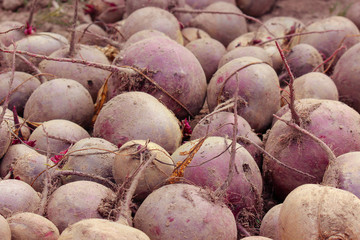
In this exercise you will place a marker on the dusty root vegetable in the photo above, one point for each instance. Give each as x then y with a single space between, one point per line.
200 4
17 196
32 226
15 152
132 6
91 78
209 168
313 212
5 138
346 77
43 43
156 173
74 201
221 124
281 26
60 133
86 34
90 155
342 34
221 26
246 51
270 223
259 94
5 231
191 34
344 173
7 38
335 123
171 66
209 52
143 34
181 210
94 229
352 13
303 58
138 115
152 18
313 85
249 39
29 167
22 87
255 8
60 98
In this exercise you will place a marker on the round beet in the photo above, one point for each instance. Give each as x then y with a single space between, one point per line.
17 196
60 98
329 41
181 210
209 52
221 124
152 18
32 226
60 134
75 201
95 229
92 156
344 173
5 231
43 43
138 115
128 160
91 78
314 211
22 87
245 51
170 65
258 94
347 79
335 123
221 26
209 168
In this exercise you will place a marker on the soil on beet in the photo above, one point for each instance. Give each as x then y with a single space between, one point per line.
56 16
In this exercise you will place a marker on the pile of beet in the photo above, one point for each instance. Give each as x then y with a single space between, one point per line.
170 119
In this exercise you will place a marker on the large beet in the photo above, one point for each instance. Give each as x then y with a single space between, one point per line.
17 196
221 26
221 124
258 92
181 211
327 42
138 116
60 98
347 77
91 78
315 212
152 18
173 67
75 201
335 123
344 173
209 168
